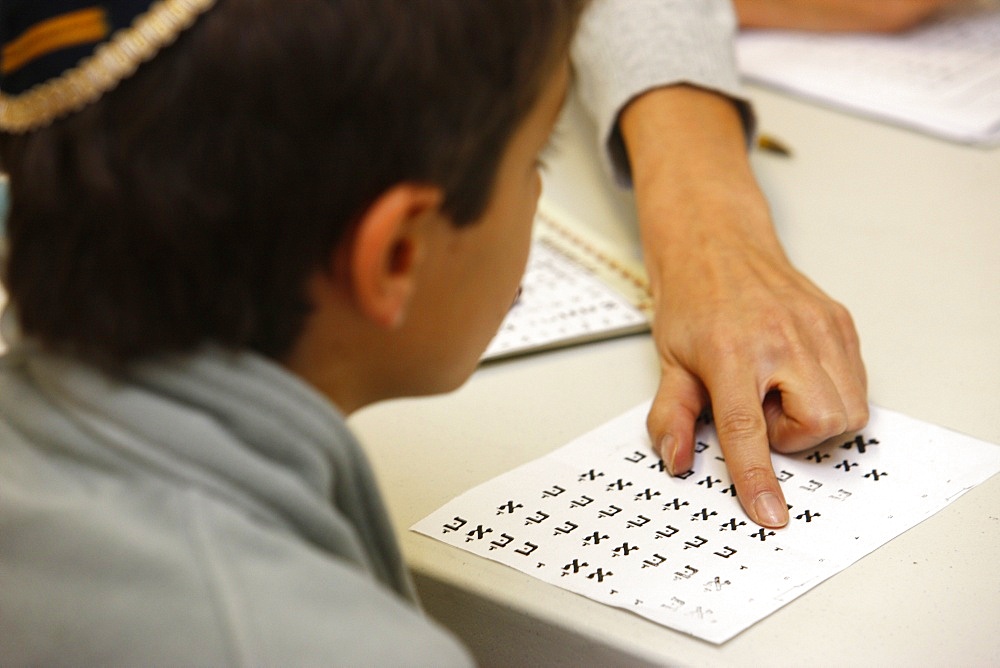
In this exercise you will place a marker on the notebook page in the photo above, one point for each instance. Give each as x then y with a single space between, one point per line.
942 78
574 290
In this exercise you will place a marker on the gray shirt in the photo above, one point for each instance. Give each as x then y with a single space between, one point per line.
624 48
206 510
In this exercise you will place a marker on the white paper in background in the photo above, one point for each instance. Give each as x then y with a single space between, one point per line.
600 517
562 302
942 78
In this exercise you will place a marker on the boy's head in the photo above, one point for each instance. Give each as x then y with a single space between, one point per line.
277 159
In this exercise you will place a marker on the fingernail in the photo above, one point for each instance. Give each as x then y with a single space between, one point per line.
668 450
770 510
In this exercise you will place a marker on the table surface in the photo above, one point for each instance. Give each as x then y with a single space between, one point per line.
902 228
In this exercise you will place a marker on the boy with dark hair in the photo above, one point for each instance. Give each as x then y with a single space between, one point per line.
232 222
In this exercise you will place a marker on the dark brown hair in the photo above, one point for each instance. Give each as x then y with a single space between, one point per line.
190 204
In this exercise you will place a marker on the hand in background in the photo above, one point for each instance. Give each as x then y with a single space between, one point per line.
838 15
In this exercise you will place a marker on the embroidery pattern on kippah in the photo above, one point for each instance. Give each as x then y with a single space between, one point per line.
110 64
80 27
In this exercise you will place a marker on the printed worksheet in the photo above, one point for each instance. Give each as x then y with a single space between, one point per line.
574 290
600 517
562 303
942 78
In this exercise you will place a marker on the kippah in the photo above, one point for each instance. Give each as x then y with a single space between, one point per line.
57 56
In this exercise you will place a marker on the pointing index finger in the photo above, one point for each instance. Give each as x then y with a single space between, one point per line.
742 430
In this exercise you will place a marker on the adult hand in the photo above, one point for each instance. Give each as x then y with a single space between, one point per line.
736 326
837 15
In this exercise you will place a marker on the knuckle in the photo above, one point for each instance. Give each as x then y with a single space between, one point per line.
740 424
756 478
841 315
826 424
789 447
722 344
859 418
845 325
829 324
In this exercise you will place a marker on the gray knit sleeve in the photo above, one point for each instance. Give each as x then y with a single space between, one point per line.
626 47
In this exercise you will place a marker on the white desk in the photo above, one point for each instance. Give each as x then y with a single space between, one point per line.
903 229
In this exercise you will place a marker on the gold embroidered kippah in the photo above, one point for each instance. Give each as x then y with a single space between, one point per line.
58 56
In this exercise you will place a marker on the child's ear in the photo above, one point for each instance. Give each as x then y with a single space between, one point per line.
388 246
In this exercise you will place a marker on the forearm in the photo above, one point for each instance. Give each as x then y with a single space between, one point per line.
693 183
625 48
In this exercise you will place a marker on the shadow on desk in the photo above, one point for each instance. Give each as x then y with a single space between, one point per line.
500 636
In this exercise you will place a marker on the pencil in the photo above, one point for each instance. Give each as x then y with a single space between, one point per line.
772 145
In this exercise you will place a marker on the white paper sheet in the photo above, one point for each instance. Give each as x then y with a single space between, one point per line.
562 302
942 78
600 517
